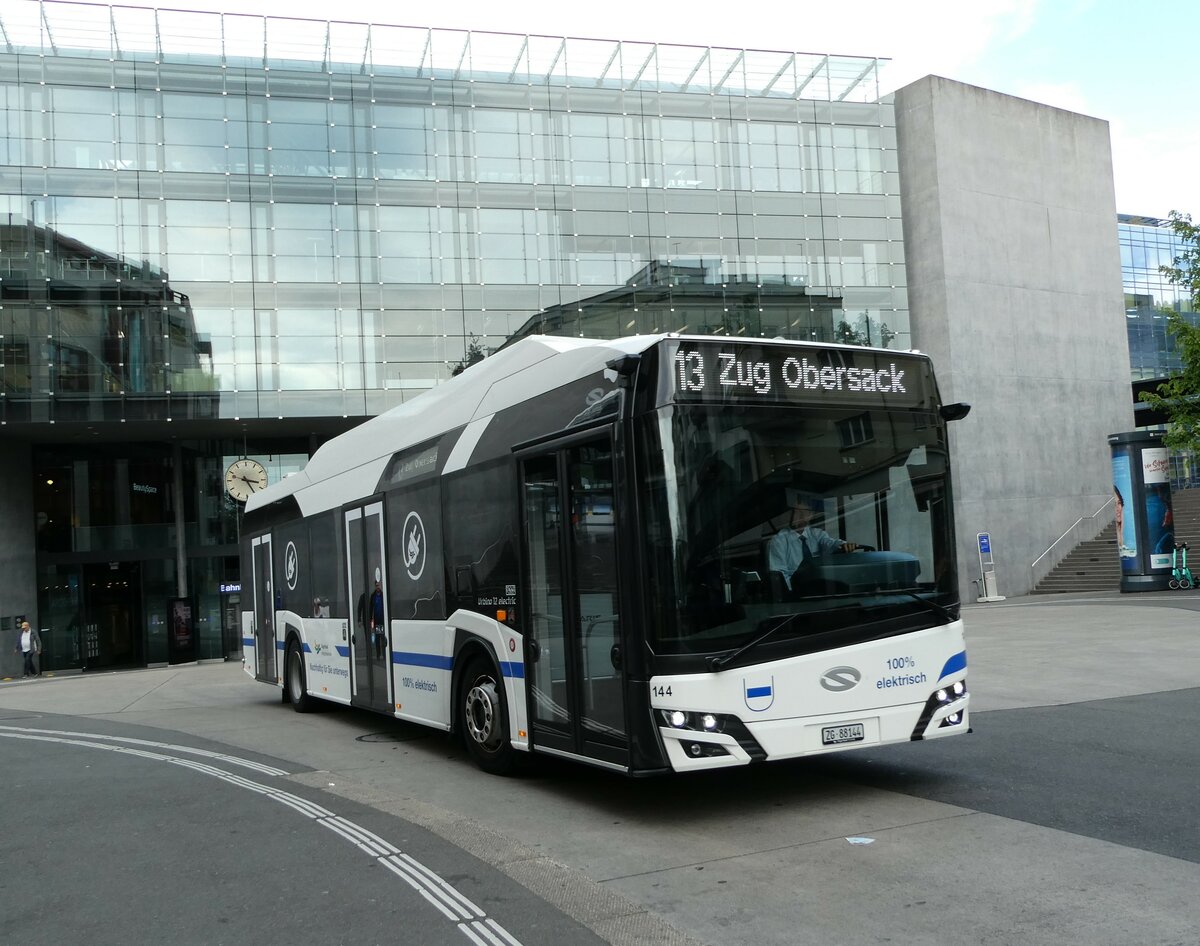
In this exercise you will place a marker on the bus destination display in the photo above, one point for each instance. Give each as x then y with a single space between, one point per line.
722 371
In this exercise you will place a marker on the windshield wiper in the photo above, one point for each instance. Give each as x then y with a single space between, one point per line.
931 605
724 660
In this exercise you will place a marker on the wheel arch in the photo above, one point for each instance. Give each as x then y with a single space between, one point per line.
475 634
293 635
467 647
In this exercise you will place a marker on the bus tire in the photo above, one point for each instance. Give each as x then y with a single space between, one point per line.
295 680
484 716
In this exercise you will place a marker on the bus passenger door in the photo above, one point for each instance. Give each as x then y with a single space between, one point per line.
576 689
264 611
366 573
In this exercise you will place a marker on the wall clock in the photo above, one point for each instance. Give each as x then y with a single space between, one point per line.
245 477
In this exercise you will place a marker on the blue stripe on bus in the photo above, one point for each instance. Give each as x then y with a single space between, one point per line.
511 668
281 645
754 692
954 664
307 649
435 661
247 641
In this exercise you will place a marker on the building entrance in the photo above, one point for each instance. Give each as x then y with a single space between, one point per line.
111 631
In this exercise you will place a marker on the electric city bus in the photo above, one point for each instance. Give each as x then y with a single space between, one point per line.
654 554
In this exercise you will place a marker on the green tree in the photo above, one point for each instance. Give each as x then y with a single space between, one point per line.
1179 396
472 355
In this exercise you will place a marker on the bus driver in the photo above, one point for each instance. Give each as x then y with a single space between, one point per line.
798 544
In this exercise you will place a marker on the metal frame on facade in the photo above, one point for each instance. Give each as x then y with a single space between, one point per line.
132 33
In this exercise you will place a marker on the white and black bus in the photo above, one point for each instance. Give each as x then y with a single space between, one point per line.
659 553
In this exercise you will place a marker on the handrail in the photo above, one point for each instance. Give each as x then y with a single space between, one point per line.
1071 529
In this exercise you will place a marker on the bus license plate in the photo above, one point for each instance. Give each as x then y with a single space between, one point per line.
836 735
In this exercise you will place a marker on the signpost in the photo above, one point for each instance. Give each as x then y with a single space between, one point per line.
987 570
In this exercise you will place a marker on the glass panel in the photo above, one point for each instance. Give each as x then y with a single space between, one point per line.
593 538
369 642
812 521
543 526
264 607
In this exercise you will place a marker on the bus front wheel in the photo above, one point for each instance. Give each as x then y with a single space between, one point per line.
485 718
295 680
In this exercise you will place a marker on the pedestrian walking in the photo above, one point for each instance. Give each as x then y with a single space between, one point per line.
29 645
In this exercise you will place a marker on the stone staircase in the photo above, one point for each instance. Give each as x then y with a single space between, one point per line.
1185 508
1090 566
1093 565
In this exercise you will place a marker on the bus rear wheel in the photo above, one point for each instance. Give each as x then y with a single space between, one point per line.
295 682
485 718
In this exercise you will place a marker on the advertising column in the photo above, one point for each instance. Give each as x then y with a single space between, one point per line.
1142 497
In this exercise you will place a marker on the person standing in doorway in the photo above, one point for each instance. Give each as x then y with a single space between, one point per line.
29 645
377 622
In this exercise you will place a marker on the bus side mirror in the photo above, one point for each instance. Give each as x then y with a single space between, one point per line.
957 411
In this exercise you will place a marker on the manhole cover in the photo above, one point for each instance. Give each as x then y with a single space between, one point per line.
388 737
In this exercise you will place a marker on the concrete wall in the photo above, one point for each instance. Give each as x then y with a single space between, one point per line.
1014 282
18 563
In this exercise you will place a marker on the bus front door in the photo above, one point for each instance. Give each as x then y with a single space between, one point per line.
264 611
576 694
366 574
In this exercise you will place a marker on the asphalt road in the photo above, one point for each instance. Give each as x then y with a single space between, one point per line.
130 840
1067 816
1123 770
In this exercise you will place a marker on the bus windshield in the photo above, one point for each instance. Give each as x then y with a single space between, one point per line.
813 526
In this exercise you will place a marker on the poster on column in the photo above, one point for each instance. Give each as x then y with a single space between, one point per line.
1160 525
181 642
1126 524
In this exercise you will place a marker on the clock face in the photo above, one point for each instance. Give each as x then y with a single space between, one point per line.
245 477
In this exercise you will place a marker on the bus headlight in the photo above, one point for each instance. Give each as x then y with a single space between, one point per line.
940 700
696 722
949 694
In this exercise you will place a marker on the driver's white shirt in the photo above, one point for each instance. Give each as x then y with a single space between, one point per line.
785 552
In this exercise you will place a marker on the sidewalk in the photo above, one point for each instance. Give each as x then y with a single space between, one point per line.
1045 650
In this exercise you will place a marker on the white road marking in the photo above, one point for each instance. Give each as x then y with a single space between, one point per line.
450 902
187 750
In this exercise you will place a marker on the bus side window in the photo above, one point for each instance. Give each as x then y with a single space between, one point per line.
325 566
479 511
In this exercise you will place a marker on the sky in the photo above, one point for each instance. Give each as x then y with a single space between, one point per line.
1122 61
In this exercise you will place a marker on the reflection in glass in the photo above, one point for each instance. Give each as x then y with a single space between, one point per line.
699 297
275 163
876 479
86 322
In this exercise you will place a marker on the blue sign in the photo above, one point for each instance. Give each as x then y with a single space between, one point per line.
230 587
985 544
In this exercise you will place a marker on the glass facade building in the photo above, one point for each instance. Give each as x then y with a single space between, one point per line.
1146 244
226 235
